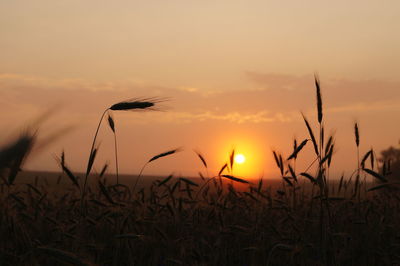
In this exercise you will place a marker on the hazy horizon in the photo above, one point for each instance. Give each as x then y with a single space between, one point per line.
236 75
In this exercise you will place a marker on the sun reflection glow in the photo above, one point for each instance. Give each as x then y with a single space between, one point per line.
239 159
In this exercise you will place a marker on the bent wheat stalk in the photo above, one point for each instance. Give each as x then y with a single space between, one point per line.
158 156
128 105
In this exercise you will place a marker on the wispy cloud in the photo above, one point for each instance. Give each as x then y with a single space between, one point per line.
367 107
233 117
338 94
276 98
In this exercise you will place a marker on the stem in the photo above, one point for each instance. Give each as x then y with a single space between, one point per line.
311 164
116 156
90 154
358 188
138 177
321 144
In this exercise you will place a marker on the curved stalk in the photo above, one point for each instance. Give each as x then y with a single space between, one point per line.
116 156
138 177
90 154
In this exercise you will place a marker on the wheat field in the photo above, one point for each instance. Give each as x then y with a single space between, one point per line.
304 218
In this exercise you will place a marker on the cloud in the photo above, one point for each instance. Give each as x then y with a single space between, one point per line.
367 107
337 93
276 98
264 116
189 89
275 81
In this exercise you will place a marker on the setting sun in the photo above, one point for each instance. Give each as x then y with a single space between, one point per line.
239 158
200 132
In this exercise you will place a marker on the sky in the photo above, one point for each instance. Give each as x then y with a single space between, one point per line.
234 74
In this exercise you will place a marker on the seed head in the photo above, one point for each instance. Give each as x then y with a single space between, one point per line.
319 98
357 134
135 104
111 123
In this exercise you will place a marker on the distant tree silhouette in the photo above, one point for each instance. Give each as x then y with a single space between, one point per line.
391 159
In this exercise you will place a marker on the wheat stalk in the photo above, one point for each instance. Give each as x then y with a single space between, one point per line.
128 105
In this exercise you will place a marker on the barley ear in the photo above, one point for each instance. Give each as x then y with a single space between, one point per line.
357 134
319 98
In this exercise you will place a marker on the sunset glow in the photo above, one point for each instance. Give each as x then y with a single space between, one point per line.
240 159
200 132
239 79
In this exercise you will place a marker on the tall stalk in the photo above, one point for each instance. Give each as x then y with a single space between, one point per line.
111 123
91 156
128 105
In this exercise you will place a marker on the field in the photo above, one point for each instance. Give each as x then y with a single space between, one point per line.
301 219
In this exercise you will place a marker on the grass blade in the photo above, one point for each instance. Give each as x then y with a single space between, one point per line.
201 158
91 161
385 185
231 159
71 176
375 174
111 123
276 159
365 157
310 177
292 172
165 180
236 179
297 150
311 135
222 169
189 182
167 153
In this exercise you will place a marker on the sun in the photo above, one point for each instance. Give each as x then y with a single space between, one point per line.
239 159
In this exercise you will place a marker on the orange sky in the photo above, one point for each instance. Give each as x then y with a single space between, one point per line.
237 73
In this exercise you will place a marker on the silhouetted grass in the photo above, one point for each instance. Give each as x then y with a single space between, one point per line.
216 220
